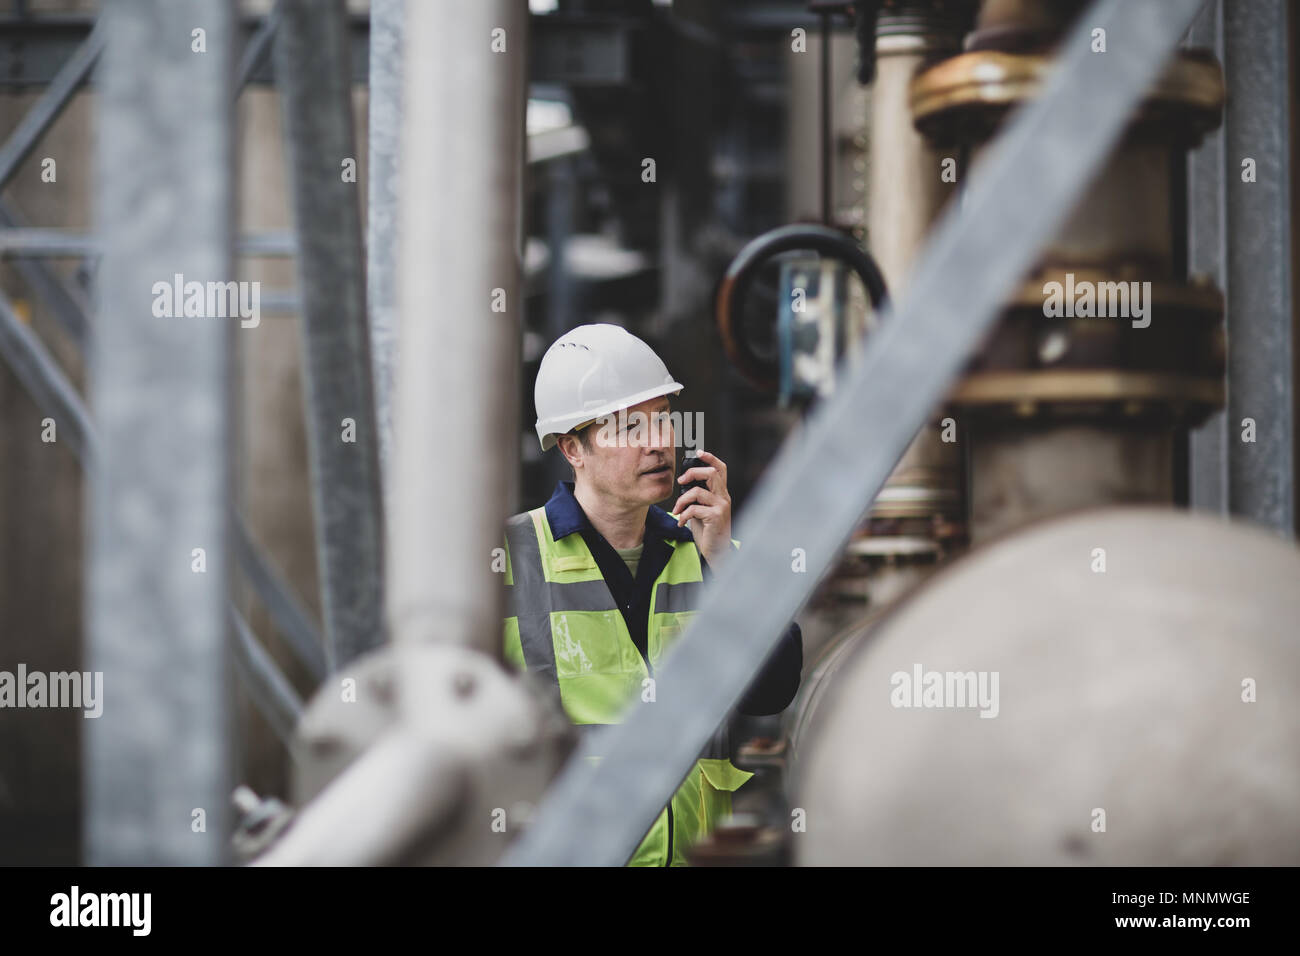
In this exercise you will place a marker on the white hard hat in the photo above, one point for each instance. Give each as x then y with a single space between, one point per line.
591 371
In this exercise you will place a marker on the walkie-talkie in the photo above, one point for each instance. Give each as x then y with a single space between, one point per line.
691 461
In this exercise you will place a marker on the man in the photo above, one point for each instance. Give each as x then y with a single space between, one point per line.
601 581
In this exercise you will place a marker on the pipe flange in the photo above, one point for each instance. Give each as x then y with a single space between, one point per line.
922 26
1091 394
1197 298
915 500
1177 329
964 98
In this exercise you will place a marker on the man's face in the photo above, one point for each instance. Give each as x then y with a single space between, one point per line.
632 454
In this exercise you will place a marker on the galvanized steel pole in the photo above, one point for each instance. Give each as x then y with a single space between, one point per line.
1239 236
1260 297
386 18
157 762
312 70
1207 444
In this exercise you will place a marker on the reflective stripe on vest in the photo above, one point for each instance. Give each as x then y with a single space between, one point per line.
717 748
528 598
676 598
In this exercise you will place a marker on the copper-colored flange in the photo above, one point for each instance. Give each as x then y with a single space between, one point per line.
964 97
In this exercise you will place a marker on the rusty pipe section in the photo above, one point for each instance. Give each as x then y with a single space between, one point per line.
1109 349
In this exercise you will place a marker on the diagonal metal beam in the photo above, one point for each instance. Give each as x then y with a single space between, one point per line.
66 306
311 60
54 394
258 46
271 691
825 479
47 108
45 381
281 603
67 303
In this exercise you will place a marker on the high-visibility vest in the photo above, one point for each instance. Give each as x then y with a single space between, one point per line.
563 625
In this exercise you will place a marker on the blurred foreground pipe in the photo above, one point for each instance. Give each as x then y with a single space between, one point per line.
457 441
159 501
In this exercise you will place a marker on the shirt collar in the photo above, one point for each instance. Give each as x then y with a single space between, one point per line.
565 516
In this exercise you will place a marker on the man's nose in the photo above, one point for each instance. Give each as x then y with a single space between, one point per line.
662 435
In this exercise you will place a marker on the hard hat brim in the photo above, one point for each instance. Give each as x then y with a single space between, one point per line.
549 429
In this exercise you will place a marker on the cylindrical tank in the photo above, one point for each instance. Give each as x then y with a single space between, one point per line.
1119 687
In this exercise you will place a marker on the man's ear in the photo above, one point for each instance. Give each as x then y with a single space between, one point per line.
569 446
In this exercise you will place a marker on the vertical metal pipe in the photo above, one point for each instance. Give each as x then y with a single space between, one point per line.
461 314
825 142
1260 316
386 17
906 190
24 352
312 67
271 691
283 606
160 394
259 44
563 305
1208 444
906 186
1034 471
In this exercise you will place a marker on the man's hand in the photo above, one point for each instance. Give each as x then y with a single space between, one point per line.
710 505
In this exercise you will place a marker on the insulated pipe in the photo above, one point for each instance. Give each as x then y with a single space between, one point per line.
907 186
460 297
